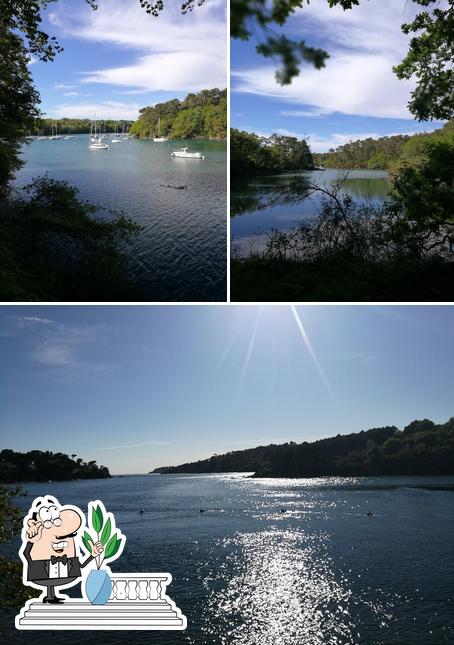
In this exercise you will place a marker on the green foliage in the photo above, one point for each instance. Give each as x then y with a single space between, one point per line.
56 247
102 526
386 153
18 103
77 126
12 591
352 251
97 519
426 192
37 465
429 58
112 546
245 14
201 116
250 153
105 535
86 540
374 452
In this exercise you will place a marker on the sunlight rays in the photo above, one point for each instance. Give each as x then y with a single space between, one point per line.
311 351
250 349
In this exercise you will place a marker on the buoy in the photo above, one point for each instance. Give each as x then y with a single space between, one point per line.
142 510
202 510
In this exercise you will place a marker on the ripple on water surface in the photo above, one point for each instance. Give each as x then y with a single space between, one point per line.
180 254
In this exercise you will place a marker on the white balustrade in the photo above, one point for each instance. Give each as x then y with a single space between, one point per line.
139 587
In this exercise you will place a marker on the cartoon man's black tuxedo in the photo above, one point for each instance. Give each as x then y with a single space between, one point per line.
38 572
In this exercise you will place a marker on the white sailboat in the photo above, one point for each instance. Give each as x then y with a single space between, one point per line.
96 142
187 155
54 136
116 138
159 139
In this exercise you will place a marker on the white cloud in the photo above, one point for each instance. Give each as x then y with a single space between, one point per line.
323 144
101 109
364 44
304 113
70 93
32 60
60 345
54 354
63 86
174 52
32 320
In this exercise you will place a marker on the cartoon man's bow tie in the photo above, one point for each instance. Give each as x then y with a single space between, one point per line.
54 559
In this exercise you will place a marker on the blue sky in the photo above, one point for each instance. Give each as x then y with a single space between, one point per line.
138 387
356 96
118 59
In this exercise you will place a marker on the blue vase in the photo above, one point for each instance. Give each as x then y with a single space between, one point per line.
98 587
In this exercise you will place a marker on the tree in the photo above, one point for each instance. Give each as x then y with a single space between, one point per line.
52 248
429 57
18 104
250 153
12 591
425 193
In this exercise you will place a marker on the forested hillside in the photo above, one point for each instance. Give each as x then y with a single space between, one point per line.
421 448
199 116
386 153
42 466
79 126
250 153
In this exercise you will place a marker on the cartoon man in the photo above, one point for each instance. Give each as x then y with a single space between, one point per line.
50 553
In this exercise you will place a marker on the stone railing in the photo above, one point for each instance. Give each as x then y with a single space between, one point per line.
139 586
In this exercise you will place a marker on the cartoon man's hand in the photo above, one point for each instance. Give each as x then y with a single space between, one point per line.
96 549
35 528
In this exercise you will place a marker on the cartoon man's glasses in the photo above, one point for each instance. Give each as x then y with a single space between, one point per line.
49 516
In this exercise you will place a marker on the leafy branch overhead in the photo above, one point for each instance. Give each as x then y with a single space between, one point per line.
429 58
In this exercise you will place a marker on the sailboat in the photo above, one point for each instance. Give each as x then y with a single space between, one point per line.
159 139
116 138
54 136
69 135
96 140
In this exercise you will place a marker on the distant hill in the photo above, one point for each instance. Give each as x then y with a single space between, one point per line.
199 116
386 153
40 466
421 448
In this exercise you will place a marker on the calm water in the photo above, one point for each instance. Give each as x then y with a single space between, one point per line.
322 573
181 252
280 202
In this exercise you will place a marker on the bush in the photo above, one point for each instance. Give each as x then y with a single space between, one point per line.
56 247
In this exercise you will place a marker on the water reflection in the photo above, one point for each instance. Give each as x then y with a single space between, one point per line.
279 586
282 202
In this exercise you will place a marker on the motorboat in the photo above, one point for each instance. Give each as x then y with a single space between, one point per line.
187 155
116 140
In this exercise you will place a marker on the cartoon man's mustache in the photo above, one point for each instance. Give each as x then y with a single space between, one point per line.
68 535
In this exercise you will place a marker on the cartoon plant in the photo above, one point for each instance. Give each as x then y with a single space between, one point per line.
103 524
